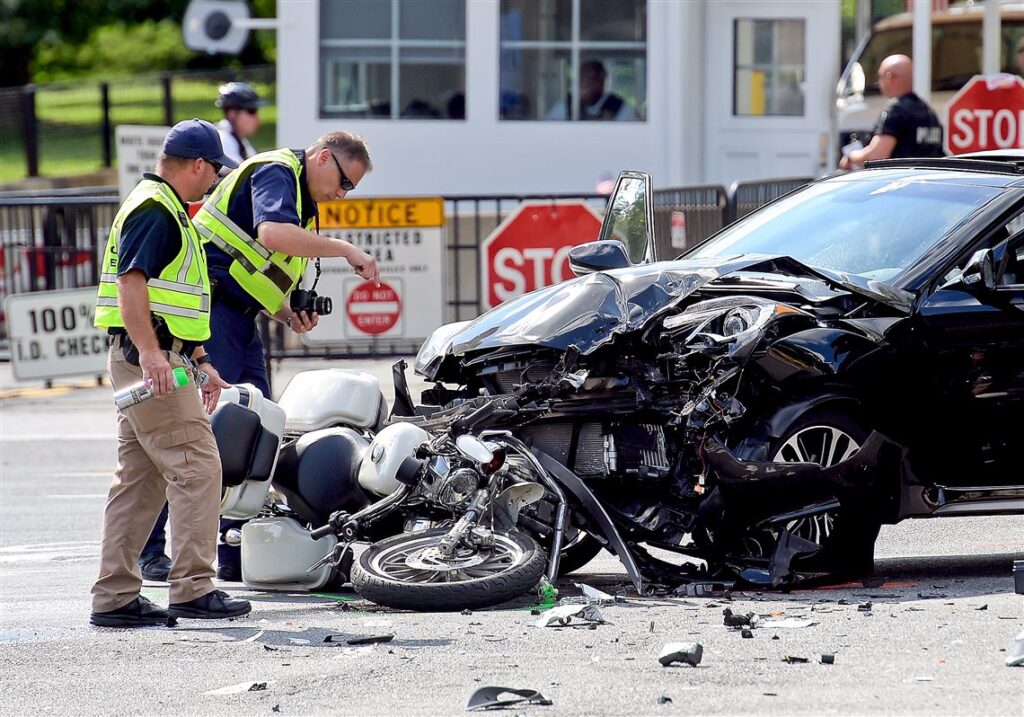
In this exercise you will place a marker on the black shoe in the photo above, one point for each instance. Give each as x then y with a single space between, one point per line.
211 606
138 613
229 573
155 567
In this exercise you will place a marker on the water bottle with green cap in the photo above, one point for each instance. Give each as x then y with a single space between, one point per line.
143 390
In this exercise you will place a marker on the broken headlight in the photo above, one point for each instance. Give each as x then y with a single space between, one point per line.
728 320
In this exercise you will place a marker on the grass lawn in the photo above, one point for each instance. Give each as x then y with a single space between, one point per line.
70 122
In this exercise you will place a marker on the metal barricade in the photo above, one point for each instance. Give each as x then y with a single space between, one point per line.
704 211
51 243
745 197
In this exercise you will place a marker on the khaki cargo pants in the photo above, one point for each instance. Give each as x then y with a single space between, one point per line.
166 451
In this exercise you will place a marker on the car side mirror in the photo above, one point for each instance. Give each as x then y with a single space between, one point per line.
597 256
980 271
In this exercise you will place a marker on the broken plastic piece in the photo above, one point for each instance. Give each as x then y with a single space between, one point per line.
864 607
1017 658
241 687
828 659
486 698
594 595
664 700
794 659
747 634
704 590
734 620
369 639
563 614
689 653
789 623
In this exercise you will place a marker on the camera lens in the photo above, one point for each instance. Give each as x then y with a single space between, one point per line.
323 305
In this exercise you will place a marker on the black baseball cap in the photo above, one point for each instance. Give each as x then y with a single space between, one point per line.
196 139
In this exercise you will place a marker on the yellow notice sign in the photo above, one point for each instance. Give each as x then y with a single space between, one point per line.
382 213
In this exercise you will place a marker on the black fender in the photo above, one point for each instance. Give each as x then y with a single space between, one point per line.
754 446
594 511
814 354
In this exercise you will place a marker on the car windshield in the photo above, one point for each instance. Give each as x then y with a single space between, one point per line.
874 228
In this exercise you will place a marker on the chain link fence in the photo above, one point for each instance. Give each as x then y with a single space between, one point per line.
67 129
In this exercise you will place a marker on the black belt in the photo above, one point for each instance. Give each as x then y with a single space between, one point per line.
247 310
165 343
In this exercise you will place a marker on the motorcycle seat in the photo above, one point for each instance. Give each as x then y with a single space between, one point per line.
318 473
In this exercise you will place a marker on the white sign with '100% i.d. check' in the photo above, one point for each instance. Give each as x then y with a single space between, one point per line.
52 334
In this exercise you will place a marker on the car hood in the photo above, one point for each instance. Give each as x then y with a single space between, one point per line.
589 311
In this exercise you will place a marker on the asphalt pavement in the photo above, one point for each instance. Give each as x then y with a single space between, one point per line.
933 641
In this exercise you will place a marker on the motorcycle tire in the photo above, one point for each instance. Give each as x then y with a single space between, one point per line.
372 580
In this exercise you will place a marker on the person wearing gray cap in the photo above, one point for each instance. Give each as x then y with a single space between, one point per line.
241 107
154 300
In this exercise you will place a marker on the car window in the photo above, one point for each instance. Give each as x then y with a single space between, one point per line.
875 228
1013 228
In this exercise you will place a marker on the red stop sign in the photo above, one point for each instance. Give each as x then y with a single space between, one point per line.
988 113
373 309
530 249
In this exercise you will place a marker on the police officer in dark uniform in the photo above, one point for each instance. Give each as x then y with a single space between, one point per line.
907 127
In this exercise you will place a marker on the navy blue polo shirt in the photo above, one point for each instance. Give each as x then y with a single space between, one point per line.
266 195
150 237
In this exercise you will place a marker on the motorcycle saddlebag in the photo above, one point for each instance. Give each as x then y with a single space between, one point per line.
277 553
248 429
333 397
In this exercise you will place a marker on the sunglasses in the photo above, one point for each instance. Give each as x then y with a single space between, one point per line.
251 110
346 183
217 166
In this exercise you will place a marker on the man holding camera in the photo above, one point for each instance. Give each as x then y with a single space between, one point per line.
259 228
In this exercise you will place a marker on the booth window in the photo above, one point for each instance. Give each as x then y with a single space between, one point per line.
571 60
393 59
768 67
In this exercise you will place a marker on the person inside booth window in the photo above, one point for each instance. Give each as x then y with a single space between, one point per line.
596 103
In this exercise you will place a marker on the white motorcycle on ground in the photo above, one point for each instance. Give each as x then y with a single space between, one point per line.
325 455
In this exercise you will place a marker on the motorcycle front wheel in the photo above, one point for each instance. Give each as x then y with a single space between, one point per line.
408 572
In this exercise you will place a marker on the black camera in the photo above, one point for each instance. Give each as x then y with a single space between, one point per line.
308 301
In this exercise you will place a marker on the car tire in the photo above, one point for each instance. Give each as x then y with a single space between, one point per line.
847 536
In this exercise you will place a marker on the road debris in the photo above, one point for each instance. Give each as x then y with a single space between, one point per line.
828 659
747 634
595 596
664 700
298 641
240 688
701 590
731 619
795 659
1017 658
689 653
486 698
788 623
369 639
563 615
865 607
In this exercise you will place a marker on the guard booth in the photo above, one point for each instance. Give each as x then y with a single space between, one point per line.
558 96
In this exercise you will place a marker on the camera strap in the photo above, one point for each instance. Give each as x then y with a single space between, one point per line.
316 278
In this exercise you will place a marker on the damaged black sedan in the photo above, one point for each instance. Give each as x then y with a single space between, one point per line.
847 356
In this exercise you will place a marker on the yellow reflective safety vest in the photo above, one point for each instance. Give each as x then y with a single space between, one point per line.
181 293
268 276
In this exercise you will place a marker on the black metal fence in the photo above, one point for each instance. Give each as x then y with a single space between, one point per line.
65 129
54 242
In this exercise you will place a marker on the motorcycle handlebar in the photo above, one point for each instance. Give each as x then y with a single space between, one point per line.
322 532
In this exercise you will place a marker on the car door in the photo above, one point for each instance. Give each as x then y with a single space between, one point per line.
973 341
629 217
